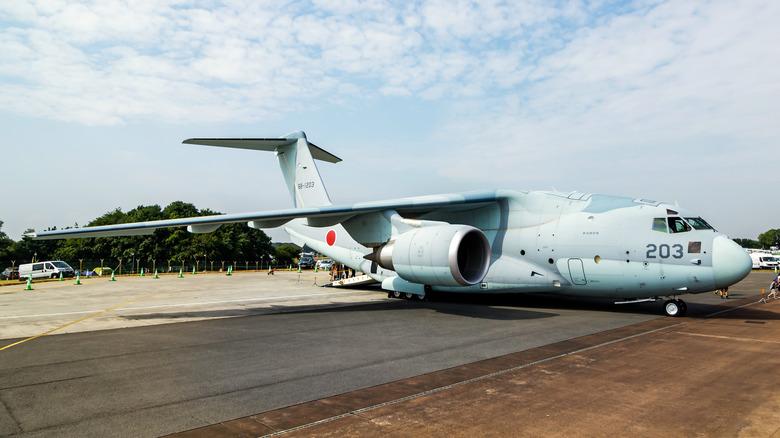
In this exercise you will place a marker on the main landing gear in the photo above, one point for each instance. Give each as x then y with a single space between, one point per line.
406 296
410 296
675 307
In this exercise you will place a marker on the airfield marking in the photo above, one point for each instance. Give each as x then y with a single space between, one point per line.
733 338
174 305
148 307
731 308
87 317
48 314
464 382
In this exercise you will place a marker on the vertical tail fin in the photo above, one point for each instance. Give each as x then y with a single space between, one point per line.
300 172
296 159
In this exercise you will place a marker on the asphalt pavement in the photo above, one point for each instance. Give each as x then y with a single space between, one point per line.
149 357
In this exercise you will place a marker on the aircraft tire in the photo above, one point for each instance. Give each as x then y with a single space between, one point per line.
428 294
683 307
396 294
409 296
672 308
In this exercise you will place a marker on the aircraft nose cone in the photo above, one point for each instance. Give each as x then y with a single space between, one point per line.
730 262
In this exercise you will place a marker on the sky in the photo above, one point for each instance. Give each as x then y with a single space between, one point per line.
676 101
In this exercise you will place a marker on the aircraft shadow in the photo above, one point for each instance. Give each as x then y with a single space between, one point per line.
507 307
451 308
554 302
714 311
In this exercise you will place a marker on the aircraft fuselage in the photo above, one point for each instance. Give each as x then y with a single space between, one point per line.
575 244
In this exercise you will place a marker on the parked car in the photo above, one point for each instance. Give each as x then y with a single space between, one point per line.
306 262
9 274
324 265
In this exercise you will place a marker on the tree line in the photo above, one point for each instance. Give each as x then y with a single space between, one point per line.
766 240
230 242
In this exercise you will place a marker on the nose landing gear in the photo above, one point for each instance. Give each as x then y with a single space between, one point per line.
675 307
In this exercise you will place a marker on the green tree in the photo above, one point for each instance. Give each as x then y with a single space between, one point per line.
230 242
177 243
769 238
26 249
6 244
110 248
286 253
747 243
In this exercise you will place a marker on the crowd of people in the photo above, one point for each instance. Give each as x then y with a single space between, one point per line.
773 288
340 274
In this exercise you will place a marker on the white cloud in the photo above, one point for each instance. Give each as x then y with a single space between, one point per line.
249 48
671 99
576 67
592 94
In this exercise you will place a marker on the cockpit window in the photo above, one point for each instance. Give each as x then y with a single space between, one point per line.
678 225
698 223
659 224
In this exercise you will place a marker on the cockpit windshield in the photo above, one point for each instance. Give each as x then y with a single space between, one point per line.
659 224
698 223
675 224
678 225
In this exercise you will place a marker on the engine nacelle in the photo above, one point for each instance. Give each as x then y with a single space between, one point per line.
441 255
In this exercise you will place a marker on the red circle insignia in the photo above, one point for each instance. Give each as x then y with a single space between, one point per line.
330 238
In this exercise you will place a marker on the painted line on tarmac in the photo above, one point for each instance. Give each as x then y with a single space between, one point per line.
731 338
242 300
87 317
49 314
199 303
731 308
464 382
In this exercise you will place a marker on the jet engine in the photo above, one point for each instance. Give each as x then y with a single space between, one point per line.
440 255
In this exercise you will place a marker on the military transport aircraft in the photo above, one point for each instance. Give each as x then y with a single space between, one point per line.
497 241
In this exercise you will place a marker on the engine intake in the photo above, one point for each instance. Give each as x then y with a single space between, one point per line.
441 255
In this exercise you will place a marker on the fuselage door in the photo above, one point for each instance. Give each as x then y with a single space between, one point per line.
577 272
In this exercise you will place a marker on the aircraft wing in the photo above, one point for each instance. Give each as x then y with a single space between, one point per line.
318 216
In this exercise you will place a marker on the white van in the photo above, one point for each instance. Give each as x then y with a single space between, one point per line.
764 260
47 269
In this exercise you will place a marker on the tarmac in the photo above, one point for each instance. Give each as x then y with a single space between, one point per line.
715 375
60 307
515 366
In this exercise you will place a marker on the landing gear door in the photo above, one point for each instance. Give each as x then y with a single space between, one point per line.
577 272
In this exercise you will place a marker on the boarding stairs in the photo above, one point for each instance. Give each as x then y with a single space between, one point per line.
359 280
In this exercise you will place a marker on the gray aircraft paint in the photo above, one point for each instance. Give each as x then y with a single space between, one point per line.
562 243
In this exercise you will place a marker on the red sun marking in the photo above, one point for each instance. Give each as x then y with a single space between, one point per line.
331 237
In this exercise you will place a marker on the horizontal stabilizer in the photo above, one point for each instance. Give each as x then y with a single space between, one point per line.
265 144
